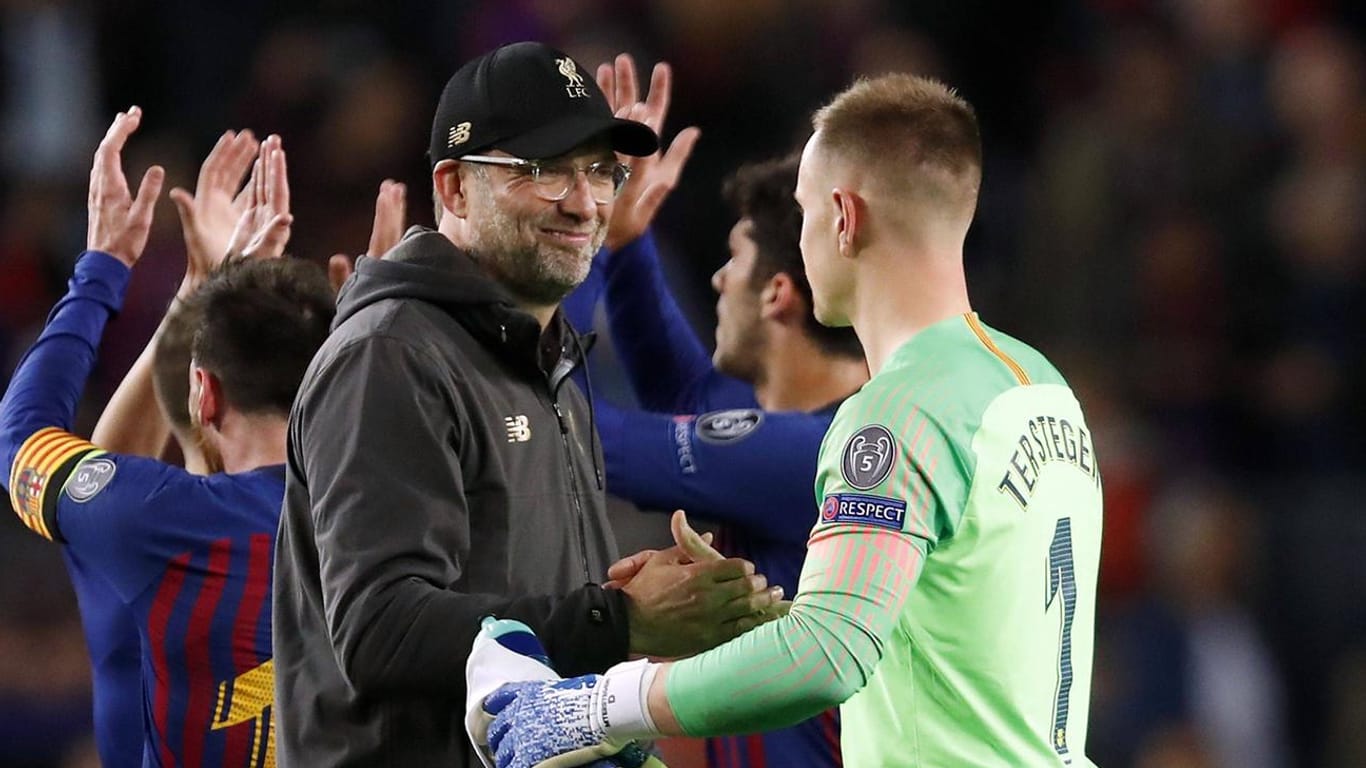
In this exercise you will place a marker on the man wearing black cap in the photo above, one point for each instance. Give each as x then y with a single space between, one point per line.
443 466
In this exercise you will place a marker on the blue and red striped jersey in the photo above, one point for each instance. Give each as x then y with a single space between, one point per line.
111 637
189 558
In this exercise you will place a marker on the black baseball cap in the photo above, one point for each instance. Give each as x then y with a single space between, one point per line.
531 101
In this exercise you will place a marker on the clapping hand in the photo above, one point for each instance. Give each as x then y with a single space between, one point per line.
264 227
209 216
391 213
119 223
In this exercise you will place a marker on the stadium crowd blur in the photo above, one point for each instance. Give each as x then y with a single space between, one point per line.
1174 210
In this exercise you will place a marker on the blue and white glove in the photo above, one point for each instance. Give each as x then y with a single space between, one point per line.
537 721
568 728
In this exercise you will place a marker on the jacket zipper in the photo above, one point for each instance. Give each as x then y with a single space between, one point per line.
573 486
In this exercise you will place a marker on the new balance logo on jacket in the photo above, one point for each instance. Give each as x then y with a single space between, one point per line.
519 428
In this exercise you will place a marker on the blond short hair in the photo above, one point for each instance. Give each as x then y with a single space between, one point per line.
915 134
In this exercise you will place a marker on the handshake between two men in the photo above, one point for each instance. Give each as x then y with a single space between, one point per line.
511 685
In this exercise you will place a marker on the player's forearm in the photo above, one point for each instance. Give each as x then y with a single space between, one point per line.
131 422
853 588
645 700
47 386
657 346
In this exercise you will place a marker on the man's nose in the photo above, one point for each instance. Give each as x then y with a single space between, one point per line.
579 202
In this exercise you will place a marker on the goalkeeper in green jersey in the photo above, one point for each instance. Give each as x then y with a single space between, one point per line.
947 601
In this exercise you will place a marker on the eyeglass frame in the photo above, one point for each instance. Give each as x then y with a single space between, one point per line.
534 168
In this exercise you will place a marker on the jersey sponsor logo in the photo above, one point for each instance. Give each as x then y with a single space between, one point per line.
519 428
728 426
867 459
859 509
683 444
90 478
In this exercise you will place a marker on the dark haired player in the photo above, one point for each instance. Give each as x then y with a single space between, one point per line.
191 556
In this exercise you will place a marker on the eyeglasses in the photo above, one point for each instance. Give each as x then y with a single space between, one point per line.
553 182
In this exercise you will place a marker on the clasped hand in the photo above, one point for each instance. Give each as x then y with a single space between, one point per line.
689 598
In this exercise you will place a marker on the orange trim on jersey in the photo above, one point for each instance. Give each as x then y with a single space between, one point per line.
41 455
1015 368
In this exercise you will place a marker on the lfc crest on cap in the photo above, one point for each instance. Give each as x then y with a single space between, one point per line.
570 70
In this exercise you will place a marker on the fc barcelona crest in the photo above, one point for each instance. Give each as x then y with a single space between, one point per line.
28 491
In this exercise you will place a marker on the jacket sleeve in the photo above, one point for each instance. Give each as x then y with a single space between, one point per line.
378 438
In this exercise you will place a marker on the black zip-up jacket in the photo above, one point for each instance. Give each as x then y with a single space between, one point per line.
442 467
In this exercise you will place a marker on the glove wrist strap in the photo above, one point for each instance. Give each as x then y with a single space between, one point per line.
620 707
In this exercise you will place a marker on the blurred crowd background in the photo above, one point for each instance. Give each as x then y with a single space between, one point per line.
1174 209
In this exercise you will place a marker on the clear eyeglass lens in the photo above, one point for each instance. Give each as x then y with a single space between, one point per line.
604 180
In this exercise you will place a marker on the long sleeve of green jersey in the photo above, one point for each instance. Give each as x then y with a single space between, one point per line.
890 488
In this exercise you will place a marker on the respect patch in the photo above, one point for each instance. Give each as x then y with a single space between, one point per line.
859 509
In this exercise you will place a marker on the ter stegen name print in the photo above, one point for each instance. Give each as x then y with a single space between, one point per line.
1046 439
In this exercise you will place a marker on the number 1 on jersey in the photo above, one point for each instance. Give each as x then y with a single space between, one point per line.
1062 582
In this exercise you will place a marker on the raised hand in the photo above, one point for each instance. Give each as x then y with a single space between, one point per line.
209 216
263 229
391 214
654 177
119 223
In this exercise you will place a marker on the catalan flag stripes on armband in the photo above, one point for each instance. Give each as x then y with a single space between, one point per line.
44 454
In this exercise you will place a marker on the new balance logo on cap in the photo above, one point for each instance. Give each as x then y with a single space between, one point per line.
459 134
519 428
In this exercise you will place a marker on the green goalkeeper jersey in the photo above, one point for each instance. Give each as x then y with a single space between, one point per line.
972 443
